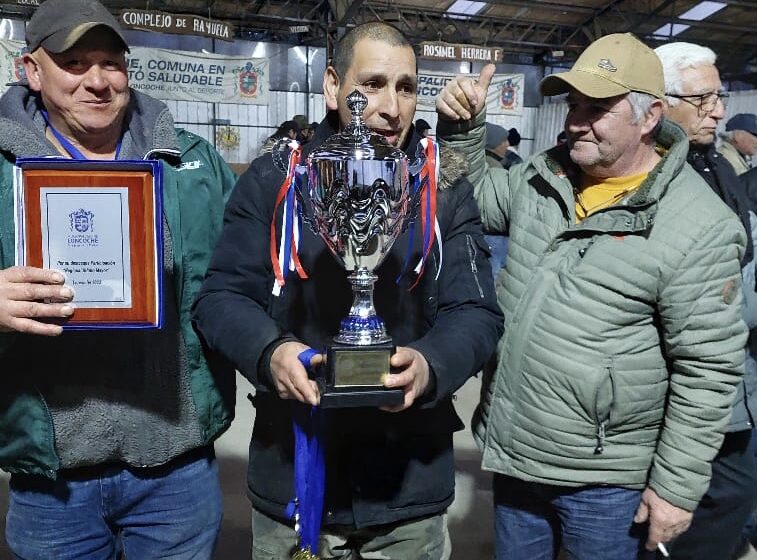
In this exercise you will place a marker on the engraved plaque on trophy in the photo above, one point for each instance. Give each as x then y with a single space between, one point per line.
100 224
357 199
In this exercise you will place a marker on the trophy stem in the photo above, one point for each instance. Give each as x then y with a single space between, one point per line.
362 326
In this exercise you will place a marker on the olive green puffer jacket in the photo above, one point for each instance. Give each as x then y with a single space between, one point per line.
623 340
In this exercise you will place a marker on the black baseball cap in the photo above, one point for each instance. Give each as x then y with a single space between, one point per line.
58 24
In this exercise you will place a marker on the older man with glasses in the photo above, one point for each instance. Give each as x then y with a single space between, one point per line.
696 103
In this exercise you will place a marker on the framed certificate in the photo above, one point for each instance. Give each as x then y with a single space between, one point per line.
100 224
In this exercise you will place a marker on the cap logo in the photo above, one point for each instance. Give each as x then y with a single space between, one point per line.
606 64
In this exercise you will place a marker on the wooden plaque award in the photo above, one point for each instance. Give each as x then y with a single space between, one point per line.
100 224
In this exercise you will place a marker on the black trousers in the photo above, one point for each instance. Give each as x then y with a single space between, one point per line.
718 521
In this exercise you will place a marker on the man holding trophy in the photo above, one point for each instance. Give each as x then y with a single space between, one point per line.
107 433
273 305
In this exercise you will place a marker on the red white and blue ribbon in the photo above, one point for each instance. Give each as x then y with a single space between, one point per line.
425 185
284 257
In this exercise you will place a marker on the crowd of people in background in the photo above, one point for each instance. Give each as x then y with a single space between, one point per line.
606 287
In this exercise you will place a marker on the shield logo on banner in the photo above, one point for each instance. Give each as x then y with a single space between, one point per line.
507 96
18 68
248 81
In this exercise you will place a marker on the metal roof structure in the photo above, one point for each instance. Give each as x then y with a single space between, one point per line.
541 32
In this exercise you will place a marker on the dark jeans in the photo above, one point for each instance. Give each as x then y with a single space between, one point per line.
532 521
716 528
166 512
498 245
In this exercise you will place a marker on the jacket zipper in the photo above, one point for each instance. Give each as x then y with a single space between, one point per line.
473 266
603 422
600 448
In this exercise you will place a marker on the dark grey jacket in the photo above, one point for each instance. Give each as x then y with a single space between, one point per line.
381 467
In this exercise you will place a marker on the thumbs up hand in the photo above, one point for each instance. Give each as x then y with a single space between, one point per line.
464 97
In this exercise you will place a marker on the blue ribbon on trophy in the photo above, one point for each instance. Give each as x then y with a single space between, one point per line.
309 472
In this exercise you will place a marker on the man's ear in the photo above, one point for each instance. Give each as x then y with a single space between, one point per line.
654 115
331 88
31 70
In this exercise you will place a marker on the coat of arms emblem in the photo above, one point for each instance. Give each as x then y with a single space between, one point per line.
82 220
507 95
247 80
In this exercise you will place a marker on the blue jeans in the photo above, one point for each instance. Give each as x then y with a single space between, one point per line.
173 511
532 521
498 245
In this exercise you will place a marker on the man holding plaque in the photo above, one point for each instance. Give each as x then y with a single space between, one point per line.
108 434
389 473
614 385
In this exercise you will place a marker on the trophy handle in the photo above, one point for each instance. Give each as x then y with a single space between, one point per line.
280 154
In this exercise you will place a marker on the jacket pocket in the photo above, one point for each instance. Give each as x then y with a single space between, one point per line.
640 388
603 402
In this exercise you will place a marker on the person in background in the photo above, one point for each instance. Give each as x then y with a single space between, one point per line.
513 141
740 141
695 103
108 434
422 128
496 151
390 473
624 338
561 139
287 129
496 145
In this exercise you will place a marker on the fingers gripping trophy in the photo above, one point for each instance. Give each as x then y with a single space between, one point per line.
355 192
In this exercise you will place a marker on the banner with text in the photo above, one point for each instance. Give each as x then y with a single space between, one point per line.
170 74
184 76
505 95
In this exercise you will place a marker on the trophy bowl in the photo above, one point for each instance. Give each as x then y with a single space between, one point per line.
358 201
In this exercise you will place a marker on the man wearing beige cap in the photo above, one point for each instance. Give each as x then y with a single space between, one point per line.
107 434
623 333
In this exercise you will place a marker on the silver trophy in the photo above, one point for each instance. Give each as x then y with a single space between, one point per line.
358 200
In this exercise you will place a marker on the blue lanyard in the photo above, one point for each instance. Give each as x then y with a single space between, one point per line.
68 146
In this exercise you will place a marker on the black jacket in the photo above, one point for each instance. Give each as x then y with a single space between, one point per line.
381 467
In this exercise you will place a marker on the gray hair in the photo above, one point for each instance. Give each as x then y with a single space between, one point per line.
641 103
679 56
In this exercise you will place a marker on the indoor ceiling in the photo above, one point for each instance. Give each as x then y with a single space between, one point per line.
545 32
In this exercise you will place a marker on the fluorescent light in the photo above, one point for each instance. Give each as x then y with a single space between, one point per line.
465 67
300 55
701 11
259 51
671 29
463 9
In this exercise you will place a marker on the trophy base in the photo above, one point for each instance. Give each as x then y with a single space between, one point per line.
354 377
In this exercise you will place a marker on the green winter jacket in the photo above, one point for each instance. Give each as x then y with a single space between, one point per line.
196 185
623 340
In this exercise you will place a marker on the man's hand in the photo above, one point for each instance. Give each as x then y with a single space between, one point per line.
27 294
666 521
289 377
464 97
412 376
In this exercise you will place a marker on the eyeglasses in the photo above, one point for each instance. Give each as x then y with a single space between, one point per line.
706 102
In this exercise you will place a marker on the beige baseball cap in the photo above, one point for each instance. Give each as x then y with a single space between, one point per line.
612 65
